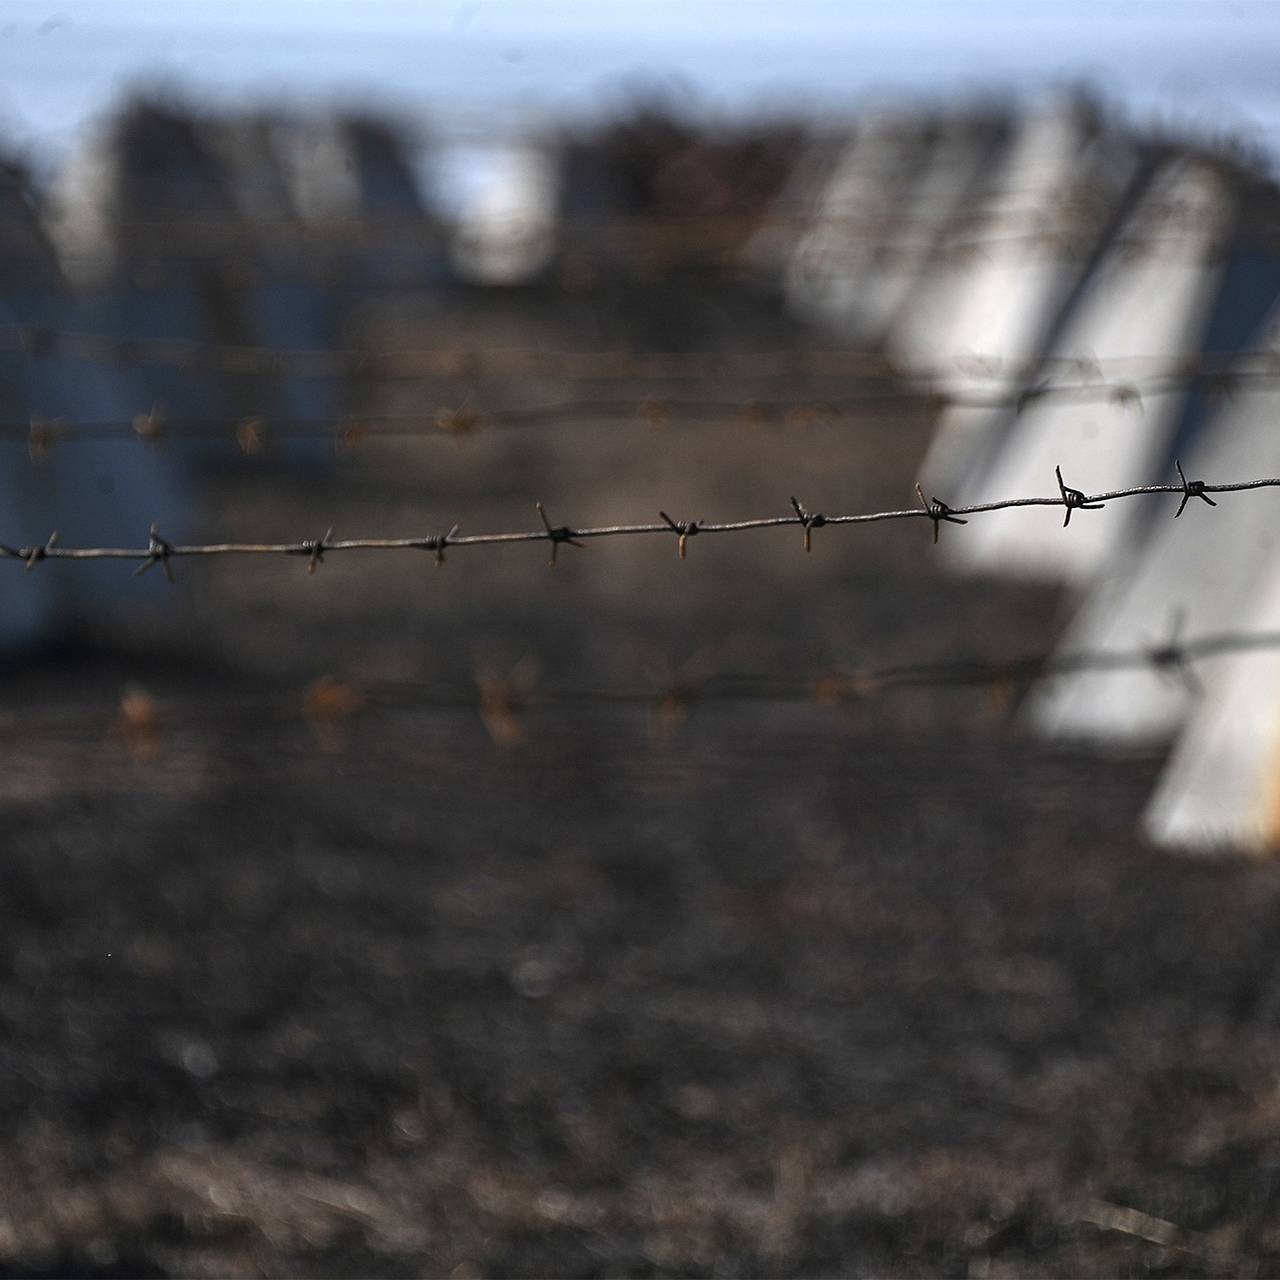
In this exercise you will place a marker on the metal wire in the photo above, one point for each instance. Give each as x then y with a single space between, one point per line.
872 224
252 433
614 365
159 551
329 706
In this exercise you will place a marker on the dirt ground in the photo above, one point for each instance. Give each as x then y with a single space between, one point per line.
738 987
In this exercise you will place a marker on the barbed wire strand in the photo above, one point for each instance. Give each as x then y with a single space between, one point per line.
1076 204
1071 213
159 551
253 432
619 364
329 705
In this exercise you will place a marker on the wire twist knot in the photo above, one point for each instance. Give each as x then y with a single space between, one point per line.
809 520
683 529
437 543
33 555
314 549
937 511
1190 489
557 534
158 552
1073 499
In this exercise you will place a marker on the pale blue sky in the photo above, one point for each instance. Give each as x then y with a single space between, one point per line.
481 62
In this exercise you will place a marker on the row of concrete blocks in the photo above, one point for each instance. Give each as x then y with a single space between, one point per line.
168 226
1091 257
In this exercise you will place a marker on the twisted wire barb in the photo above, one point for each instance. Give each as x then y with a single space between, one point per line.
933 509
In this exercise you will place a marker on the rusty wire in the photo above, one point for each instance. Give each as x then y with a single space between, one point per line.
330 706
461 362
159 551
253 433
1074 212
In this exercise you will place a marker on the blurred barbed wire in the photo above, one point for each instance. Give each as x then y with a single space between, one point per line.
254 433
460 361
1082 207
581 254
330 706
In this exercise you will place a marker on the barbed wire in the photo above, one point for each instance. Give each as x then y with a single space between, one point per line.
254 433
864 211
622 233
880 214
330 706
810 250
459 362
159 551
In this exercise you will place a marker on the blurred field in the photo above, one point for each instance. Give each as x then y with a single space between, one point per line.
755 988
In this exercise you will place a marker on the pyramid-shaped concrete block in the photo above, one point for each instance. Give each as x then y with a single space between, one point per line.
990 309
1151 294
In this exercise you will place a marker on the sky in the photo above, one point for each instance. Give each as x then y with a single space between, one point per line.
486 65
